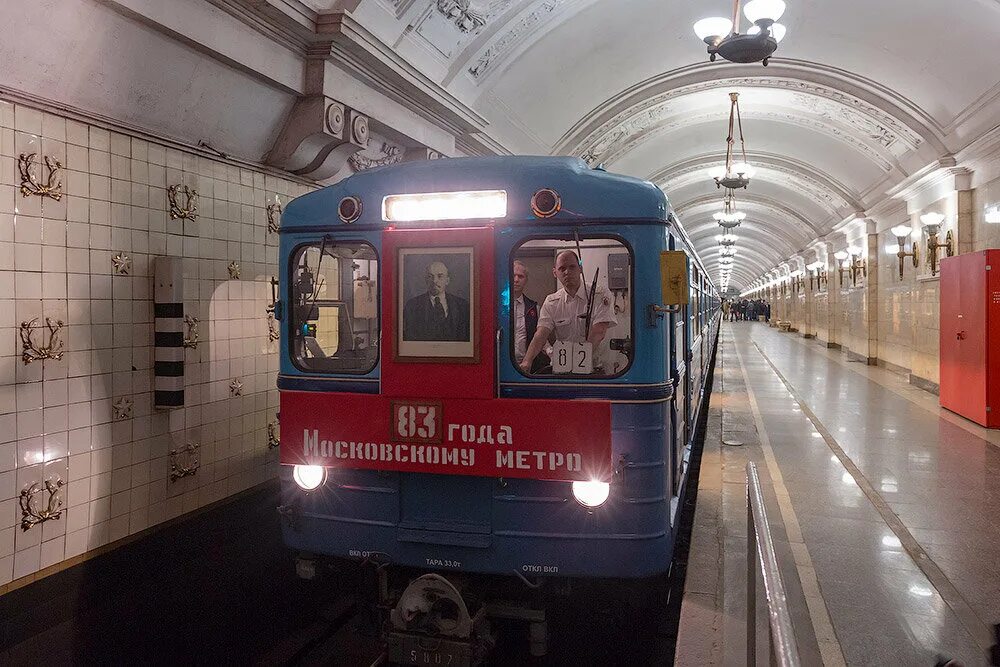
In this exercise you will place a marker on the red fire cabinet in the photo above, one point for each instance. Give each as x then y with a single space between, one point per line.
970 336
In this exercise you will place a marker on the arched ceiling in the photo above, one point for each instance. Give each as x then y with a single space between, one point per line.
860 96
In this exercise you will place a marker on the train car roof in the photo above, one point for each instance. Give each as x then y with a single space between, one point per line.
586 193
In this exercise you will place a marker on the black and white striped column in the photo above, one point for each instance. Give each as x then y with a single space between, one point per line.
168 332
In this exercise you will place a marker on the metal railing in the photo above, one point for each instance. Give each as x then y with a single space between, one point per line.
782 648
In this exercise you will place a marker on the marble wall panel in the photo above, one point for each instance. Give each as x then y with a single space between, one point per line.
895 303
985 235
854 317
821 308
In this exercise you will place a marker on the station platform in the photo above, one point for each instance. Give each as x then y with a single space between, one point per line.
885 510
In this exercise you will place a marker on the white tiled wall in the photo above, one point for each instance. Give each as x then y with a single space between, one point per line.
56 417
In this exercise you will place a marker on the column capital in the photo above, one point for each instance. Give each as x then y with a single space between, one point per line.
936 180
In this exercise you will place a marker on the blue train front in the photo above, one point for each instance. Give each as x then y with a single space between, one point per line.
412 437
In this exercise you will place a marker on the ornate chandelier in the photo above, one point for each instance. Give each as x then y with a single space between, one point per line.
729 217
734 175
758 43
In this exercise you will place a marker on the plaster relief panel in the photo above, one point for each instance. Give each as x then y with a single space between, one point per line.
451 24
504 45
379 153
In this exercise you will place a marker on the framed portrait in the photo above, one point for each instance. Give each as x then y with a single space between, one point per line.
436 302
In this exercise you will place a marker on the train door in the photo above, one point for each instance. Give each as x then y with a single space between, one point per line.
690 374
438 342
678 357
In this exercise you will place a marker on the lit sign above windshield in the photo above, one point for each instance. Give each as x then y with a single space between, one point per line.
479 204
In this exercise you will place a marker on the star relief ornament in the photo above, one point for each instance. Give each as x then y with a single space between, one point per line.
122 264
122 408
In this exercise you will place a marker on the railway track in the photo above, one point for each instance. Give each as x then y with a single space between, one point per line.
583 630
338 636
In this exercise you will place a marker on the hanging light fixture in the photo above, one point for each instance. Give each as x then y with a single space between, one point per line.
758 43
734 175
729 218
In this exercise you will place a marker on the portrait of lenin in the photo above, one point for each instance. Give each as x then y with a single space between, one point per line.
437 314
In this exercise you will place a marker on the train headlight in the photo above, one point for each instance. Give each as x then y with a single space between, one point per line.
309 478
591 494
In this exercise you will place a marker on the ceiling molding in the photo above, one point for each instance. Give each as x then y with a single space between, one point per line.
774 160
776 231
288 22
522 30
823 190
760 245
655 122
712 202
891 111
480 143
748 257
936 179
980 104
984 148
350 45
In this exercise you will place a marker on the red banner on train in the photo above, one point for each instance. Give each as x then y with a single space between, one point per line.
536 439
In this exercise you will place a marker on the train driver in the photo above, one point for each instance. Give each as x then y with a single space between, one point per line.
565 311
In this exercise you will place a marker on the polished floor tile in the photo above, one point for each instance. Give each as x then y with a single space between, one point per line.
940 480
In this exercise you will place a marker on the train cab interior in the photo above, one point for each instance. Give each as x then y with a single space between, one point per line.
334 318
606 264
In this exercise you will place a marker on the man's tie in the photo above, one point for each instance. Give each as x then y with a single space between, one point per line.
439 308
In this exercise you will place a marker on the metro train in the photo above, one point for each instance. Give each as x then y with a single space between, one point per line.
415 438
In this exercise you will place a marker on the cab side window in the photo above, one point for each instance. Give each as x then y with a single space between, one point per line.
571 308
334 307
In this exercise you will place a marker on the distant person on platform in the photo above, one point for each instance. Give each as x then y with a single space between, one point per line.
564 312
436 315
525 313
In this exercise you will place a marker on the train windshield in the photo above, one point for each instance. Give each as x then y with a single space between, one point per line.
334 307
570 307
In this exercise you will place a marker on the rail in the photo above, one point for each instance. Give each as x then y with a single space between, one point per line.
782 649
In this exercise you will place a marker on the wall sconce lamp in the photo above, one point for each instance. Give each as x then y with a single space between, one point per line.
858 263
842 263
901 232
798 281
932 223
817 273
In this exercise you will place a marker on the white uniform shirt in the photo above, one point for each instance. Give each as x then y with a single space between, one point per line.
520 330
562 313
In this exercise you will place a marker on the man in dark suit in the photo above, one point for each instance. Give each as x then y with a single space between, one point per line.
525 314
437 314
